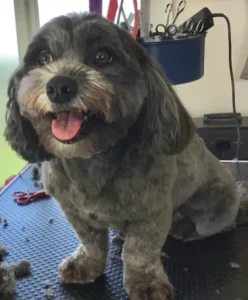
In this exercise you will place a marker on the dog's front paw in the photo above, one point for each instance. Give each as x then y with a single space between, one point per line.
153 290
80 268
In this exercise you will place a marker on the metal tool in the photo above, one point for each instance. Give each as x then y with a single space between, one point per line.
168 10
24 198
180 8
172 29
189 27
160 33
199 27
205 15
193 28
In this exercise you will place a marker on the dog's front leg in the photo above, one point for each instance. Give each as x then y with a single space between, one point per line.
144 275
88 262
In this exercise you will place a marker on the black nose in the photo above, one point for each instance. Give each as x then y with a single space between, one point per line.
61 89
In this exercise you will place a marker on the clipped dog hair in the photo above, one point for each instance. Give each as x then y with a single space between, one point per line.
118 150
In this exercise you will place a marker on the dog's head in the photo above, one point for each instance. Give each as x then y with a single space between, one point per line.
85 84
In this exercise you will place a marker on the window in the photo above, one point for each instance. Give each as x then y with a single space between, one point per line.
49 9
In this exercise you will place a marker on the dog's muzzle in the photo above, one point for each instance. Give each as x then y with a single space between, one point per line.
61 89
69 123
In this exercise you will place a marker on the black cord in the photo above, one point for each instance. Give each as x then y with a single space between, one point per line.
220 15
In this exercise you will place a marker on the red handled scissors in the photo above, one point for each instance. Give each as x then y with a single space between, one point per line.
24 198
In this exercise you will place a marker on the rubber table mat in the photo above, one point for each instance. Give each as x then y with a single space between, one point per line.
216 268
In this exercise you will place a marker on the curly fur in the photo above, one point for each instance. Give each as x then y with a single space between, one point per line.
144 171
8 275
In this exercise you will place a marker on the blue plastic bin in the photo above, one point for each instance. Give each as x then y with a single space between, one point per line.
182 59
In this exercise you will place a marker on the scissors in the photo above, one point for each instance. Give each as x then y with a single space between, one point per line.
180 8
172 29
167 11
199 27
189 27
24 198
160 33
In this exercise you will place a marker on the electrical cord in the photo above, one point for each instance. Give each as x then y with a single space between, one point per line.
221 15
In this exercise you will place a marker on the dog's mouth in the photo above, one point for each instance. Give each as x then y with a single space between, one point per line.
69 126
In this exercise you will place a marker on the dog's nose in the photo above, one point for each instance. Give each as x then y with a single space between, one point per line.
61 89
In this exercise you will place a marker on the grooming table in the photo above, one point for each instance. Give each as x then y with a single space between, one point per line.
198 270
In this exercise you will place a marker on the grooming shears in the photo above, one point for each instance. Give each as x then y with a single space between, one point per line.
189 27
172 29
180 8
23 198
167 11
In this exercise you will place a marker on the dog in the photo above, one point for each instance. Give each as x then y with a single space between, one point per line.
118 149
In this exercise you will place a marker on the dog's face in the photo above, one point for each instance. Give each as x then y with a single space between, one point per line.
85 84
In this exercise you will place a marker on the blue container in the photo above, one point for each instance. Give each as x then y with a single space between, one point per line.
182 59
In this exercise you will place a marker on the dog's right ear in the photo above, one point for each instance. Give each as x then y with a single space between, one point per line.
19 132
165 121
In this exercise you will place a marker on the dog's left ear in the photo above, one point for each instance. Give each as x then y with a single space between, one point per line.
165 120
19 132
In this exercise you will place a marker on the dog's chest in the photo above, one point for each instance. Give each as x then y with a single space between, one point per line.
109 198
106 194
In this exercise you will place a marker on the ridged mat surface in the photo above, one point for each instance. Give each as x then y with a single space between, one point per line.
198 270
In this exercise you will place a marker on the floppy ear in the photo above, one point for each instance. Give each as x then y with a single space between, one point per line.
165 120
19 131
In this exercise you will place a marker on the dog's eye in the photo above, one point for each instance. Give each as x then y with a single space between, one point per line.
103 57
44 58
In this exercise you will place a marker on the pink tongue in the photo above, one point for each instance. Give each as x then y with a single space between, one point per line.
67 124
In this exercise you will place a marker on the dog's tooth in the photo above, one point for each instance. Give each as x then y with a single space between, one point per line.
85 118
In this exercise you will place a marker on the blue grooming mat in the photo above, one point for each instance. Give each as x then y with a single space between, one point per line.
182 58
198 270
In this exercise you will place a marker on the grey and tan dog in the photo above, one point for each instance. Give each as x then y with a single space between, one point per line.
119 150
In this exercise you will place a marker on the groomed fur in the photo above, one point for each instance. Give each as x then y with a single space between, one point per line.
140 168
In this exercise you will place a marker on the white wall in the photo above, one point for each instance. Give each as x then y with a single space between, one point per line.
212 93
